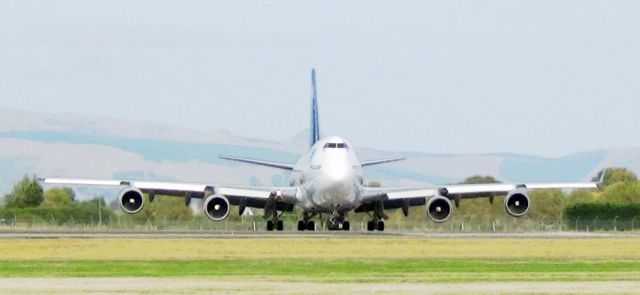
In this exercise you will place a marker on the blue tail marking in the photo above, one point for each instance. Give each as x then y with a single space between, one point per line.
315 127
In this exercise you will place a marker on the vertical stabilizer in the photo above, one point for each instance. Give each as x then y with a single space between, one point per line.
314 130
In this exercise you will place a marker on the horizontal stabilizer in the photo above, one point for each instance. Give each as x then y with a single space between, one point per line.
259 162
380 161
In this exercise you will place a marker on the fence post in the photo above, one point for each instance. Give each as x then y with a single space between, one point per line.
595 224
615 228
633 223
577 222
542 224
560 223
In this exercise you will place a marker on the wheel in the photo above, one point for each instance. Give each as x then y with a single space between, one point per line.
370 226
269 225
311 225
346 225
301 225
381 225
279 225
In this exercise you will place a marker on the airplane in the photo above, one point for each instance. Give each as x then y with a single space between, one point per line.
328 180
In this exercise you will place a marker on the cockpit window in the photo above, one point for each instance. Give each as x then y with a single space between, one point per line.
333 145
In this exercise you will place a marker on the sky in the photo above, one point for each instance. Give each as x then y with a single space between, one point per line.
547 78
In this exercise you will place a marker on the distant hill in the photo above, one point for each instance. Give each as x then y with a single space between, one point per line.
81 146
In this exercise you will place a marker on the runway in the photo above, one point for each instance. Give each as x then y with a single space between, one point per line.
213 285
299 235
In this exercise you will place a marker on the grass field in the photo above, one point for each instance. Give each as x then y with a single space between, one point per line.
358 259
314 248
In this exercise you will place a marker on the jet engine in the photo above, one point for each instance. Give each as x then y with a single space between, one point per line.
439 208
131 200
216 207
517 203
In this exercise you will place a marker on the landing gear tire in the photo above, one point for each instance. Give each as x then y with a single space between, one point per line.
311 225
269 225
371 226
280 225
301 225
346 225
380 225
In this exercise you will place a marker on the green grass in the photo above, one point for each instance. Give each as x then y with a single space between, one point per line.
397 270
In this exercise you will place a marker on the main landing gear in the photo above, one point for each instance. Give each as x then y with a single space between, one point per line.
306 223
375 225
377 218
274 222
279 226
271 212
338 221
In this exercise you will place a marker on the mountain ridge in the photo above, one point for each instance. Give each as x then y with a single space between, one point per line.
82 146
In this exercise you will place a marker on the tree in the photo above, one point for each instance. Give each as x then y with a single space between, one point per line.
478 179
374 183
547 203
580 196
162 207
622 193
26 193
56 197
171 208
613 175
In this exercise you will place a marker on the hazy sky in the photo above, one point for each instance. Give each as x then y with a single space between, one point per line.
538 77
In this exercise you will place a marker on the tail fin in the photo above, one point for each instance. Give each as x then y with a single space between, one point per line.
314 130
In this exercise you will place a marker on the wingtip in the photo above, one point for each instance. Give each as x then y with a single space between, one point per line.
600 182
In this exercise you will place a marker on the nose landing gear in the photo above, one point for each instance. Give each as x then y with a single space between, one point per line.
338 221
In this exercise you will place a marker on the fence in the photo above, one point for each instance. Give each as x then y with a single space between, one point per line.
255 223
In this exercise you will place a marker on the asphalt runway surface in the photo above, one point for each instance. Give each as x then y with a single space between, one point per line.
214 286
323 234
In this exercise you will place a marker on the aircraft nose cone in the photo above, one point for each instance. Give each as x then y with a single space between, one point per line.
339 175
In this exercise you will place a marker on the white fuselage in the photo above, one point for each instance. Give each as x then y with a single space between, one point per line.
329 177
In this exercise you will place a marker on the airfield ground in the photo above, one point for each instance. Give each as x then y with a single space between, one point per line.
59 263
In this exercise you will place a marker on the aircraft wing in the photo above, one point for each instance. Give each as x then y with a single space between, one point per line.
402 197
255 197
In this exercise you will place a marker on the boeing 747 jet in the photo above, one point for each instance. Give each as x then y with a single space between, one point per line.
328 180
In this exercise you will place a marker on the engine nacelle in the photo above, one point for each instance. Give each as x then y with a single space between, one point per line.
439 208
517 203
131 200
216 207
